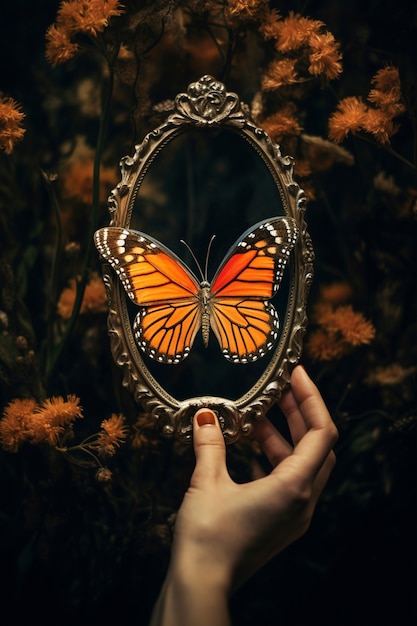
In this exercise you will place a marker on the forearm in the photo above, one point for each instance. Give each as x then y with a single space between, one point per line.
191 600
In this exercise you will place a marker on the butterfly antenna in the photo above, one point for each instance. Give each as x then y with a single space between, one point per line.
194 257
207 257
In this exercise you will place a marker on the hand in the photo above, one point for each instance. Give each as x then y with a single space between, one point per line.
225 531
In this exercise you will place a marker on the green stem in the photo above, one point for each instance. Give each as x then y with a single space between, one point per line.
82 283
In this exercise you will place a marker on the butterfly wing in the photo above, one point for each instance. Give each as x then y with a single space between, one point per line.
158 281
244 321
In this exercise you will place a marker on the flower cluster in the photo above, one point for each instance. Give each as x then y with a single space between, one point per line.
75 17
306 48
375 117
49 422
338 328
11 130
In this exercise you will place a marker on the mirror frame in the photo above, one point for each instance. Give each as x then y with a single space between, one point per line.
207 105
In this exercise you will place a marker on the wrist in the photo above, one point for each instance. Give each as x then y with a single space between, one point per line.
194 592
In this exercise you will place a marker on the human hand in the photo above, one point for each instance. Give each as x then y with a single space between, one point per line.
225 531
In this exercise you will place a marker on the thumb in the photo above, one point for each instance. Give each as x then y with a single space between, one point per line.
209 445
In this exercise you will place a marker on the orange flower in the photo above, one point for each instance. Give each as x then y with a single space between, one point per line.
379 124
113 433
336 292
49 420
10 124
295 31
325 57
77 181
269 28
59 47
74 17
279 73
348 118
281 124
353 115
355 329
94 300
245 8
324 346
14 424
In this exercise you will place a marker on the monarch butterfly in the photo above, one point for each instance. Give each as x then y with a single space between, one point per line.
175 304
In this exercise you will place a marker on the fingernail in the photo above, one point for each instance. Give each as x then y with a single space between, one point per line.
205 416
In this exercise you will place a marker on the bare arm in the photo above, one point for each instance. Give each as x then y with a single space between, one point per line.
224 531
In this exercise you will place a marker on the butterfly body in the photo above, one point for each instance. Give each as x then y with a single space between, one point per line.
174 304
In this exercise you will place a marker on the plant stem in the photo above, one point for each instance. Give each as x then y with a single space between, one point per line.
82 283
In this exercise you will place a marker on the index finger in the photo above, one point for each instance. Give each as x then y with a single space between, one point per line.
316 444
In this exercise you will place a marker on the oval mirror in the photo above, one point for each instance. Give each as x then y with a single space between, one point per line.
207 265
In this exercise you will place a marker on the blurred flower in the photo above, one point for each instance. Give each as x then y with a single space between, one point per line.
393 374
10 124
323 154
336 293
114 432
94 300
281 124
77 181
146 432
103 474
279 73
352 325
14 423
245 8
339 329
75 17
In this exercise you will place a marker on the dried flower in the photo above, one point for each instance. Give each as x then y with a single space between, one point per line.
49 421
379 124
245 8
103 474
353 115
113 433
295 31
13 425
281 124
352 325
59 47
279 73
325 57
348 118
74 17
324 346
269 28
11 118
94 300
339 329
146 432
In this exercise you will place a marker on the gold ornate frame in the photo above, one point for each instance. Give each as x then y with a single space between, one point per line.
207 105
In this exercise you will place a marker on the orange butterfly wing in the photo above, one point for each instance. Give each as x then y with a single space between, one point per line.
244 321
155 279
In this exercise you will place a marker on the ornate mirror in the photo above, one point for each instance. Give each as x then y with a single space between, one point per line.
207 266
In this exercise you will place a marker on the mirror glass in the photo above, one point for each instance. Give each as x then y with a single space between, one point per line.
202 184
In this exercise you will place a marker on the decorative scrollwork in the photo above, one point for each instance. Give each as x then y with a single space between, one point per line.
208 104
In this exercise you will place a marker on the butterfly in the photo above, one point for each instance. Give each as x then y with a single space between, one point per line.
175 304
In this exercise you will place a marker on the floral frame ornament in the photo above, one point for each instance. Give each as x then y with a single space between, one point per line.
208 105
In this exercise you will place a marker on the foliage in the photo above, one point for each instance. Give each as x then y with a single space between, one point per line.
87 505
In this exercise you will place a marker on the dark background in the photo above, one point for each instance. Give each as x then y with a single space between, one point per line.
78 552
